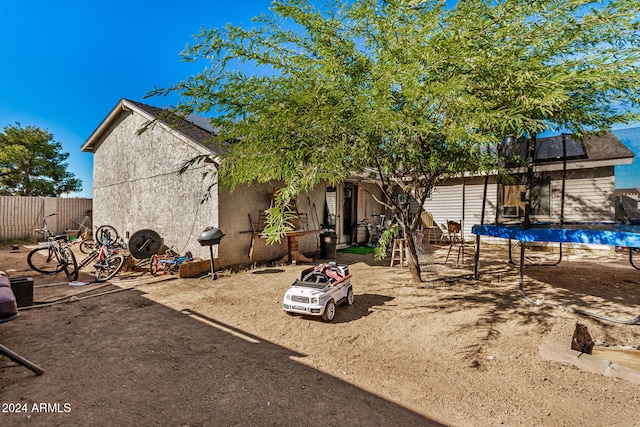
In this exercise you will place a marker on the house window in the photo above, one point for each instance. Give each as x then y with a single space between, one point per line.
514 198
513 201
541 196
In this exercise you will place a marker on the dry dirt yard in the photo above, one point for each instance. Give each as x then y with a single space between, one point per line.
198 352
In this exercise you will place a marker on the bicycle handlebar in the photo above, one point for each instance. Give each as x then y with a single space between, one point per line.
44 230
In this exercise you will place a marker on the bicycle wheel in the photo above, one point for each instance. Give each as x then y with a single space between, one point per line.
44 260
86 246
153 265
109 267
106 234
70 264
173 266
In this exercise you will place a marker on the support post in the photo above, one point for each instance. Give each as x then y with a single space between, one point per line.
531 157
21 360
476 258
213 263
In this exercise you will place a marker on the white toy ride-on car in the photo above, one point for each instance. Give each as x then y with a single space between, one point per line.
319 290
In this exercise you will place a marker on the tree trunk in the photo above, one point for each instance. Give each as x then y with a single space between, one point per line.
412 258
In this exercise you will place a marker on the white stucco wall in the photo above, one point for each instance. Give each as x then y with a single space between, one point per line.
246 200
136 185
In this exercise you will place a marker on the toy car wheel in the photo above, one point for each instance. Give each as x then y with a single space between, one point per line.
350 297
329 311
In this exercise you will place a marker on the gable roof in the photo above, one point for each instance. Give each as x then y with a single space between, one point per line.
593 151
607 147
192 129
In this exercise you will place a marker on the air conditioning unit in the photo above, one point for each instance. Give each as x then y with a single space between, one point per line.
511 211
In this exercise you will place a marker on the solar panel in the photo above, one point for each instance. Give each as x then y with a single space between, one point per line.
201 122
547 149
550 149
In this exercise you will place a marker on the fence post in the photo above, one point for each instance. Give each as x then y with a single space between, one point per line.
50 205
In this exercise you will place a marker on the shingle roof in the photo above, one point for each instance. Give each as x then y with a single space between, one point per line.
592 148
196 132
606 147
195 129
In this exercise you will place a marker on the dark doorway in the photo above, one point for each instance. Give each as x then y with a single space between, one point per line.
330 208
349 210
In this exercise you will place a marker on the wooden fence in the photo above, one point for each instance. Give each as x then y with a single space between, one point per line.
20 216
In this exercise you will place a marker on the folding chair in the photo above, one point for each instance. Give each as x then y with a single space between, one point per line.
444 233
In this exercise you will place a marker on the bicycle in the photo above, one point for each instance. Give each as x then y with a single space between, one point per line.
85 241
106 233
55 256
168 262
107 262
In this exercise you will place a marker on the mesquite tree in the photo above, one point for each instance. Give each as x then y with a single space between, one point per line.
408 93
33 164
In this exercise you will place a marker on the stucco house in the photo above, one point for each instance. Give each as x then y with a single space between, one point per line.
588 194
136 186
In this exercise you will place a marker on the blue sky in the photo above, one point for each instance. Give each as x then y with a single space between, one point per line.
628 176
67 63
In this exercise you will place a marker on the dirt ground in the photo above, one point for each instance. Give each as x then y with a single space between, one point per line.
200 352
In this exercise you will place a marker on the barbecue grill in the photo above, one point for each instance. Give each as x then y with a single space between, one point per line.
211 236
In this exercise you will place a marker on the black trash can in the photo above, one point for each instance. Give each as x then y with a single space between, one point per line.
328 241
23 290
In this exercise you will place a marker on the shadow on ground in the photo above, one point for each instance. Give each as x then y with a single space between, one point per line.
146 364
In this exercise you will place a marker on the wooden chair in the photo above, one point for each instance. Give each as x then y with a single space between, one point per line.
256 229
429 225
456 239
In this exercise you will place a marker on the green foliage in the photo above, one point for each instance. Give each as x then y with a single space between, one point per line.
385 240
32 164
280 216
410 92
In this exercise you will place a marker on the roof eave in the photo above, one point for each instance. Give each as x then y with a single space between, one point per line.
93 141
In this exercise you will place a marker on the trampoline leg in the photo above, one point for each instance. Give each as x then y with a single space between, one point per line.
631 250
559 258
539 265
635 321
521 279
552 264
21 360
510 256
476 259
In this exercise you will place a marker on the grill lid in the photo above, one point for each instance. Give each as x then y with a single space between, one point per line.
210 236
